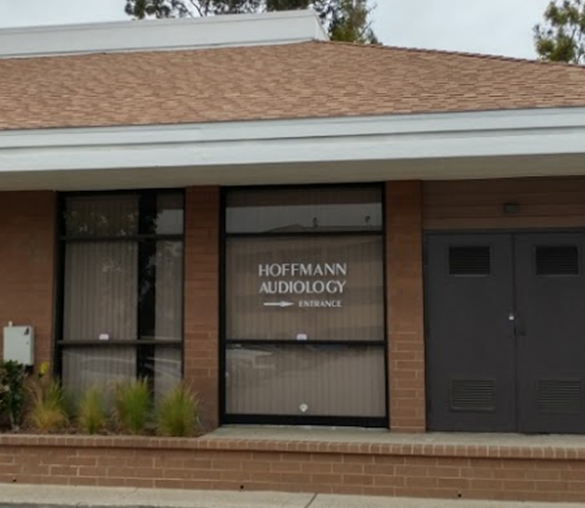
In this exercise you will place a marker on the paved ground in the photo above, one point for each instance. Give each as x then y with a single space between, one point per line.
358 435
40 496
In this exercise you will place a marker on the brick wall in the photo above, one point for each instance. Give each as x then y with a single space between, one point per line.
443 471
27 265
405 306
201 304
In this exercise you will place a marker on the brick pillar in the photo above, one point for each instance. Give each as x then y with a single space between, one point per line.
27 266
201 361
405 306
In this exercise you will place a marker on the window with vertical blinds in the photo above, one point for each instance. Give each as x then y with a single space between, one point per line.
352 283
122 289
304 306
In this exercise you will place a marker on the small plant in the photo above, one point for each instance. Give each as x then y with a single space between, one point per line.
176 414
12 378
92 412
44 369
49 403
132 406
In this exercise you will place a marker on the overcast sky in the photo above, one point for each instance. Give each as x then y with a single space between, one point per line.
501 27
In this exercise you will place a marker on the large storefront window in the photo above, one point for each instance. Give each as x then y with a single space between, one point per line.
304 306
122 289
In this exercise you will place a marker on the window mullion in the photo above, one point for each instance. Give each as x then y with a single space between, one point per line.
146 308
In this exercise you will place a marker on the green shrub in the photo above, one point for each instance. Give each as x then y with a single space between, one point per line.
176 414
12 378
92 411
49 406
132 406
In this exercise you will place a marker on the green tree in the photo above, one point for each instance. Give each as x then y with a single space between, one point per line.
350 22
141 9
562 37
345 20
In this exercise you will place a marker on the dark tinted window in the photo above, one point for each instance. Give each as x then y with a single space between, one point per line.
169 214
106 215
312 210
117 215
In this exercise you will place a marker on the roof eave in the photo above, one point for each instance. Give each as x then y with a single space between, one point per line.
240 145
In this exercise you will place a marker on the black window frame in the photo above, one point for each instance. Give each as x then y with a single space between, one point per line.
225 342
145 348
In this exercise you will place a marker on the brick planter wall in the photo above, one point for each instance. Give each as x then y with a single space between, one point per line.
444 471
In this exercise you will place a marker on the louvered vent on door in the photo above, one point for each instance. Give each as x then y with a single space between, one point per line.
560 396
477 395
557 260
469 260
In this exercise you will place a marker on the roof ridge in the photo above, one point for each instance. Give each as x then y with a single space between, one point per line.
466 54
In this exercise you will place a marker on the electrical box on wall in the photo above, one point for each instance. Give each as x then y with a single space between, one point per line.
19 344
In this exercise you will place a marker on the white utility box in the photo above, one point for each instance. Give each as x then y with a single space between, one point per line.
19 344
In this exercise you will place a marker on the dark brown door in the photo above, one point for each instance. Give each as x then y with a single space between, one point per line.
550 329
471 355
506 332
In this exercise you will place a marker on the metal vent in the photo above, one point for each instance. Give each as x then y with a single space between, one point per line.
477 395
560 397
469 260
557 260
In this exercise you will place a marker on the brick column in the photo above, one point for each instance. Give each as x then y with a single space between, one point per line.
27 266
405 306
201 361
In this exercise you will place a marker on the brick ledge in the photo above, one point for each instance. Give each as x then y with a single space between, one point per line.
574 451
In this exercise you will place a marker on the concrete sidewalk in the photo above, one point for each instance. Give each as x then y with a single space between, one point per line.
43 496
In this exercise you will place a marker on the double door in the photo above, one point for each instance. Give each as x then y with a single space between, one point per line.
505 332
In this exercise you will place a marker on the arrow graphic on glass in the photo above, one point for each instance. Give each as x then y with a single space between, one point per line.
278 304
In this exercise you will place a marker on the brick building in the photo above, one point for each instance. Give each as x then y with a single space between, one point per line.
308 233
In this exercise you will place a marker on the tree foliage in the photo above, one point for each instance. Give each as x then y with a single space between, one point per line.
562 37
345 20
350 22
141 9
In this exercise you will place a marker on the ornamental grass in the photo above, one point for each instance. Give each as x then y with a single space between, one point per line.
176 413
92 416
132 406
49 406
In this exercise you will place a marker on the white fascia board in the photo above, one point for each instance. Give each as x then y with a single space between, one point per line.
392 138
284 27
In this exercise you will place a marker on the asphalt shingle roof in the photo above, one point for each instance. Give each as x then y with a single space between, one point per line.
305 80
